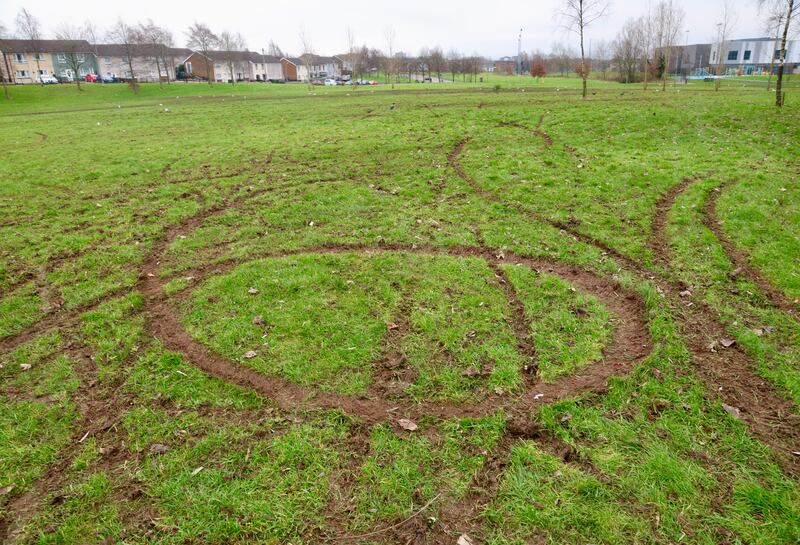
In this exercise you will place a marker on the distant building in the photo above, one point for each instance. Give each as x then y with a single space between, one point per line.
686 58
744 57
112 60
506 65
24 61
305 68
755 56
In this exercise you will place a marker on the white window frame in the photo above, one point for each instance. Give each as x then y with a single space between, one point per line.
38 56
62 57
24 74
107 60
80 57
19 58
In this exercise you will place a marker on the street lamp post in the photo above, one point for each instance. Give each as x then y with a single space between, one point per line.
519 54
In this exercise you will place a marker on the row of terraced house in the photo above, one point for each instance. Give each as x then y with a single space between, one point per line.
26 61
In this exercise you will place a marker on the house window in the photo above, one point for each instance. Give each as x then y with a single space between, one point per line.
217 67
38 56
62 57
107 60
733 55
23 74
747 55
777 54
42 72
188 67
83 72
20 58
81 57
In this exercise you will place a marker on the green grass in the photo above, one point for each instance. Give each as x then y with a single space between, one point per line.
654 459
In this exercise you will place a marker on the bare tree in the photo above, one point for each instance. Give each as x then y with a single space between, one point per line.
308 54
202 40
3 76
129 37
151 36
789 9
724 27
231 44
436 63
92 33
774 25
667 25
166 42
646 38
274 50
629 50
577 16
602 57
391 59
74 53
454 63
28 28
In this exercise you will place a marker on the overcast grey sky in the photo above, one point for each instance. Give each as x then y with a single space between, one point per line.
490 28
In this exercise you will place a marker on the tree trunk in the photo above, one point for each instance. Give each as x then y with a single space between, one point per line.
583 65
666 70
779 79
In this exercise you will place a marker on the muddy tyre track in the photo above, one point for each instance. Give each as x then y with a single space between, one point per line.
729 375
741 261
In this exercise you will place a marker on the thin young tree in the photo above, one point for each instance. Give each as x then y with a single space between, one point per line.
454 63
231 44
3 76
391 59
28 28
92 34
629 50
668 20
74 52
577 15
789 9
646 39
202 40
308 54
774 25
274 50
725 26
151 36
129 37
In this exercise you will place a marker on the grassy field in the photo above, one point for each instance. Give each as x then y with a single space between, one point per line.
493 313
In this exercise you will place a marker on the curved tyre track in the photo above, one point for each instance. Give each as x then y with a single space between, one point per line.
630 343
775 296
727 374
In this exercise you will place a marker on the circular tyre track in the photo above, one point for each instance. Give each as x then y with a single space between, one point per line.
630 344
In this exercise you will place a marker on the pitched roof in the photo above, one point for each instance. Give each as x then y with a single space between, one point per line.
316 60
44 46
238 56
139 50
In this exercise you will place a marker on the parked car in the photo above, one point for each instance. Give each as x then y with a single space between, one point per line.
47 78
109 78
90 78
330 82
65 79
316 82
373 82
